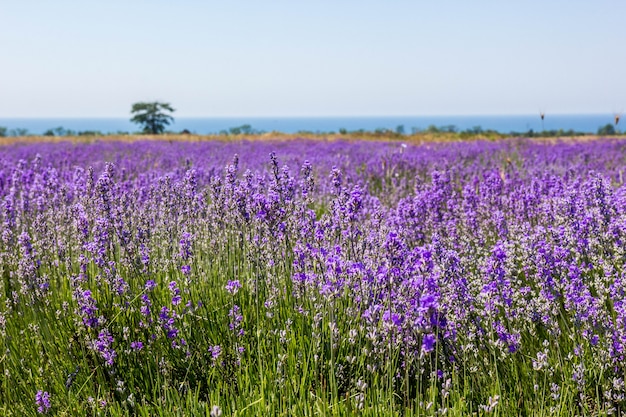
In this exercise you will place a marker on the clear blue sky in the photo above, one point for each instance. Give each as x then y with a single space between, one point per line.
82 58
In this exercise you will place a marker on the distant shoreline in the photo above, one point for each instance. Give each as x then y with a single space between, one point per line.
504 124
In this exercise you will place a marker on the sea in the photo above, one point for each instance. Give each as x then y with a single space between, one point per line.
588 123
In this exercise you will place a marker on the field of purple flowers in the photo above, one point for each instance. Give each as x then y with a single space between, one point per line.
313 278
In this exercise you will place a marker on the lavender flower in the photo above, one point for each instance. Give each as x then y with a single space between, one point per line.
235 320
175 291
233 286
42 401
87 308
103 345
216 411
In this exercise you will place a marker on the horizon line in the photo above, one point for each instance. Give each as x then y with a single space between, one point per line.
537 114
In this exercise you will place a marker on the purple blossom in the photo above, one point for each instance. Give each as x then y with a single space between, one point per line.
428 343
216 352
236 319
42 401
185 246
103 345
146 303
175 291
119 285
233 286
167 321
87 308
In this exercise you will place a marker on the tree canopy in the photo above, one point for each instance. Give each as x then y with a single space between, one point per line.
607 129
153 116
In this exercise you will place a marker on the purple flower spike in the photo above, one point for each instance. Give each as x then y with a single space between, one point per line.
216 351
42 401
428 343
103 346
233 286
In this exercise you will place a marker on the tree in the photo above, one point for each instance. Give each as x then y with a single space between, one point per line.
58 131
152 116
18 132
608 129
3 131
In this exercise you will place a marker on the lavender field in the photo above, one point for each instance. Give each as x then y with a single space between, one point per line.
305 278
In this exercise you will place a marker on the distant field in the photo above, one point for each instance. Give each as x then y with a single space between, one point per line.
414 139
422 275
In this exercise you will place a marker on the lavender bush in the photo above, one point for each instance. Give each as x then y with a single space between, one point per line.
302 278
